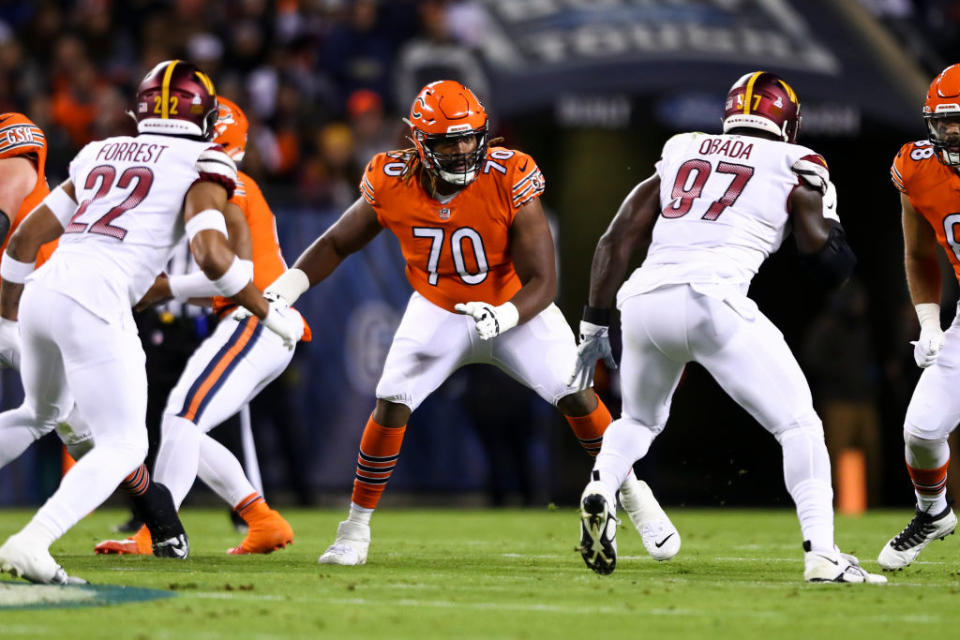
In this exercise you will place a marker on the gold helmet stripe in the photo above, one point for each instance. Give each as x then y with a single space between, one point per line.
205 79
748 94
165 90
790 92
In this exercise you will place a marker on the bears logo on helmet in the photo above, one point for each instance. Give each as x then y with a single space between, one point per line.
176 98
447 111
941 111
231 129
763 101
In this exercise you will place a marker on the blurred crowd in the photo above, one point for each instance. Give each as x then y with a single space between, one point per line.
323 82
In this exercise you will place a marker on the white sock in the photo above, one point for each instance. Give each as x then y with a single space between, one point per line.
90 482
221 471
624 442
360 515
806 472
40 533
179 457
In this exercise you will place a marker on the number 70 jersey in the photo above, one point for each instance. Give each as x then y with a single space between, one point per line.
723 208
458 250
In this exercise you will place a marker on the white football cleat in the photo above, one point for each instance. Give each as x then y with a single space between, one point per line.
598 528
660 538
922 530
350 547
833 566
24 559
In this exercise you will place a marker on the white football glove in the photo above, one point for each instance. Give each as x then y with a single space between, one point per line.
927 347
9 344
594 346
830 202
285 322
491 321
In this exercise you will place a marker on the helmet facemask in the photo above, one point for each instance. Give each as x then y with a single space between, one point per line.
943 131
454 168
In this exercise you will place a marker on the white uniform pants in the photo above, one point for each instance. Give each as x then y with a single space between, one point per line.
431 343
69 354
934 409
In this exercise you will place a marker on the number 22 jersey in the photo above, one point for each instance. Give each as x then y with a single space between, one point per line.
724 208
458 250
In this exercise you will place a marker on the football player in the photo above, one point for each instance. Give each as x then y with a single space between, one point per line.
479 255
23 185
926 174
715 208
78 337
227 370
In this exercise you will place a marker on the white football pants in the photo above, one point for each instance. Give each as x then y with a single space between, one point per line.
226 371
69 354
934 409
723 330
431 343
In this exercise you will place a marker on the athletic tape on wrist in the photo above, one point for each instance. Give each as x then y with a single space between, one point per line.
12 270
233 280
206 219
928 313
61 205
291 284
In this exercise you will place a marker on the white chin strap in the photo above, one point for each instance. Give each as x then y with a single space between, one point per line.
169 127
461 178
950 158
751 121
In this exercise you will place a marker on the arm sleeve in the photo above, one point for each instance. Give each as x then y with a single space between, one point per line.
527 181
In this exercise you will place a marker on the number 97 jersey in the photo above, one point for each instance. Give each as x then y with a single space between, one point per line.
932 188
456 250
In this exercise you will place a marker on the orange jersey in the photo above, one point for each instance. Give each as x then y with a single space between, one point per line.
934 191
459 250
268 263
20 137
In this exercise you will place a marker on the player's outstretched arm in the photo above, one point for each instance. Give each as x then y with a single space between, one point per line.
42 225
923 280
19 177
631 230
820 238
353 231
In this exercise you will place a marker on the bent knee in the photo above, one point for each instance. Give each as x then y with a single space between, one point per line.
808 425
578 404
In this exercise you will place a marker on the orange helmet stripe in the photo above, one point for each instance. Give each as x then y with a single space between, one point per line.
748 93
165 90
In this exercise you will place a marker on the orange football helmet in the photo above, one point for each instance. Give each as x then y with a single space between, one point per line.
942 109
446 111
230 130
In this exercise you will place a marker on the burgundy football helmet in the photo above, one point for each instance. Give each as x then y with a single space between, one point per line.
762 100
176 98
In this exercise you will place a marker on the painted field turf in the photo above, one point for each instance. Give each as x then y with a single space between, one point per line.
502 574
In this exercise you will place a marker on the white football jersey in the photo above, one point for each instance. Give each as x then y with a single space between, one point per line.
723 208
130 192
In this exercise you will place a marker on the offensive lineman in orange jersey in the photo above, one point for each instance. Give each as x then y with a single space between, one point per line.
927 174
480 258
209 390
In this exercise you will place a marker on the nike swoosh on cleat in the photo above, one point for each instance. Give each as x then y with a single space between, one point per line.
835 562
663 542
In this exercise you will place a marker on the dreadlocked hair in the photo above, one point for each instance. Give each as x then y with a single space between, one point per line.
414 166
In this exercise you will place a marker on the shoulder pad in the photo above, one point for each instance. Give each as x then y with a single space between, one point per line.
19 136
908 161
214 165
812 170
383 166
526 179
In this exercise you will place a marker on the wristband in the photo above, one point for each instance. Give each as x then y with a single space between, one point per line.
206 219
233 280
928 313
291 284
198 285
14 271
61 205
596 315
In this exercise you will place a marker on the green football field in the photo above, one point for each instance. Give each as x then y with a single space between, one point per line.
483 574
